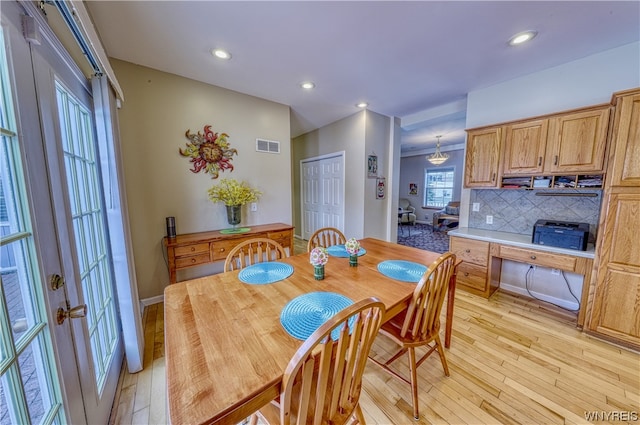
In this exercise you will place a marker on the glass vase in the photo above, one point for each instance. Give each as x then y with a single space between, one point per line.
318 272
234 214
353 260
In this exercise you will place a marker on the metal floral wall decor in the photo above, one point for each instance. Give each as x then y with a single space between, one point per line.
209 152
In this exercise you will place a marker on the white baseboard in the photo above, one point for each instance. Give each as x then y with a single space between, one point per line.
150 301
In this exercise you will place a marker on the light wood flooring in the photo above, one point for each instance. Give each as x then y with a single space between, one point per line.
512 361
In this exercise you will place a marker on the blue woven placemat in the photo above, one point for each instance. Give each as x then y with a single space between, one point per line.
405 271
306 313
340 251
261 273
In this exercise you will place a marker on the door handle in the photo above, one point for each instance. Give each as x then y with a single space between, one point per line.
71 313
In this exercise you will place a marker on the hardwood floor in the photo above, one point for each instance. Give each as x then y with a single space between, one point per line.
512 361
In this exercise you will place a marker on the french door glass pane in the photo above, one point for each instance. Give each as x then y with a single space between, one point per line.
88 214
29 387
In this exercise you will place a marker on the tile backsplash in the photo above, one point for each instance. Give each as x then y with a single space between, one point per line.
516 211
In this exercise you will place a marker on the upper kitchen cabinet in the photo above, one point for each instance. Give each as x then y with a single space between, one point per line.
577 141
524 147
482 157
625 160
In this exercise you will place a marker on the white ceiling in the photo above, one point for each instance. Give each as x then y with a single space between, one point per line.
404 58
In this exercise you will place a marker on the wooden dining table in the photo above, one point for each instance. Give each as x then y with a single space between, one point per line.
225 347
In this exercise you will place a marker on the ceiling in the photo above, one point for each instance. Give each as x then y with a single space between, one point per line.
403 58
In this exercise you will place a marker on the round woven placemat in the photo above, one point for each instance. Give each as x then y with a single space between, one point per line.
233 231
406 271
306 313
262 273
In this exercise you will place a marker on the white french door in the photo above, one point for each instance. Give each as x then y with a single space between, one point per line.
322 193
70 259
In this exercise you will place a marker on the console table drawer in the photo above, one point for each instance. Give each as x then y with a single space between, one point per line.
283 238
221 248
192 260
472 276
539 258
196 248
470 250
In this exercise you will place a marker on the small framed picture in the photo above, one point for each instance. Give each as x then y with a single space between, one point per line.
413 189
381 188
372 166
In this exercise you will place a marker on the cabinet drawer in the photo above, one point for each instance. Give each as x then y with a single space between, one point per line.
472 276
192 260
470 250
221 249
193 249
539 258
283 238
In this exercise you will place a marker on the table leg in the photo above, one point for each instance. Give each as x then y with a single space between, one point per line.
450 300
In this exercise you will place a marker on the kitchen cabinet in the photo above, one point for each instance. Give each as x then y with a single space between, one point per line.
625 161
615 305
572 143
473 271
524 147
482 157
577 141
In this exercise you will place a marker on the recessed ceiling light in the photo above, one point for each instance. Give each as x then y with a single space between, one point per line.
307 85
362 104
522 37
221 54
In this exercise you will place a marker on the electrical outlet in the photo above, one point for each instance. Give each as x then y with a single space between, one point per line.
555 272
476 206
489 219
254 206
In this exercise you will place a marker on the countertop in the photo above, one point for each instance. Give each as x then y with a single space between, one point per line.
515 239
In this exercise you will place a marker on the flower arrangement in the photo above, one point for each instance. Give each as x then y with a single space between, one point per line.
352 246
319 256
232 192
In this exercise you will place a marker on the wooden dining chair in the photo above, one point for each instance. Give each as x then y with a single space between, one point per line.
326 237
323 381
253 251
419 324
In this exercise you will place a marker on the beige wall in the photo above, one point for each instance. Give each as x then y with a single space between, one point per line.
376 218
358 135
158 110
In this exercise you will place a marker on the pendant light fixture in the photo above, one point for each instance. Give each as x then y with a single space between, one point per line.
437 158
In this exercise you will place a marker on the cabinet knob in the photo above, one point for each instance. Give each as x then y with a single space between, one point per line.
466 274
539 161
467 251
193 260
193 248
221 249
533 257
555 160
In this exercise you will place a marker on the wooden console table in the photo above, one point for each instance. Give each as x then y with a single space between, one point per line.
195 249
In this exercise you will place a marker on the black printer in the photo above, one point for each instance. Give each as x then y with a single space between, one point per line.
561 234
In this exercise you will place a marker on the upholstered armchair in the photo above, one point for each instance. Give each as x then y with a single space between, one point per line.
406 218
448 217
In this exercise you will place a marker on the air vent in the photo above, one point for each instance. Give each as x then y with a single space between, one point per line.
267 146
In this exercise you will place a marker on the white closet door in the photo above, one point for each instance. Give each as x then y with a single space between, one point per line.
322 193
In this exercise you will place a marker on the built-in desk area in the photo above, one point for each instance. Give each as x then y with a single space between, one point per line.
482 252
